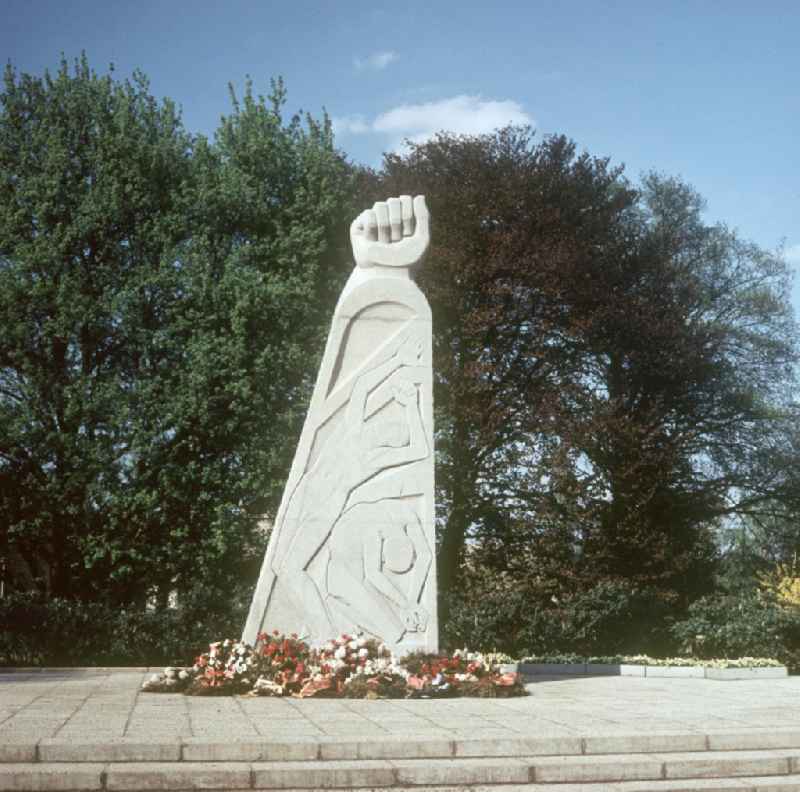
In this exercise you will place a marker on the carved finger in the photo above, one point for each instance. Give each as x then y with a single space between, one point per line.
370 224
407 213
357 227
395 218
421 216
382 215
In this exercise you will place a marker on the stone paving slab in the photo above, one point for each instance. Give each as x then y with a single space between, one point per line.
772 768
41 777
75 706
101 716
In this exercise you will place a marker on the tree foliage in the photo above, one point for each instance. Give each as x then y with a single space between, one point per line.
614 376
612 373
159 294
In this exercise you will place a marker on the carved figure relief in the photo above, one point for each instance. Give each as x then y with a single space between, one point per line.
353 541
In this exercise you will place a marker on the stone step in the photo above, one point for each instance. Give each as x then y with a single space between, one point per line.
263 749
762 770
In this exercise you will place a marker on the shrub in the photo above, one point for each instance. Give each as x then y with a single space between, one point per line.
488 612
740 625
782 583
59 632
609 618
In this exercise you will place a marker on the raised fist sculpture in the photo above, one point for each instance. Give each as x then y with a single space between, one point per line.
394 233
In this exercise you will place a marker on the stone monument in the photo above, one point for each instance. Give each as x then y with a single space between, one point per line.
352 547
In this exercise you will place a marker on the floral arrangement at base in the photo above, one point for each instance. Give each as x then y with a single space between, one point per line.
351 666
461 674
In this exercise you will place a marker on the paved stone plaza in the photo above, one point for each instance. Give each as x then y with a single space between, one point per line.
65 706
80 730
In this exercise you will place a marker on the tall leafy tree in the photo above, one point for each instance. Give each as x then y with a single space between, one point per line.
267 204
157 293
511 218
611 372
89 175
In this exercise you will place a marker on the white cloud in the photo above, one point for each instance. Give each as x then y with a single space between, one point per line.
467 115
350 125
462 114
377 61
792 254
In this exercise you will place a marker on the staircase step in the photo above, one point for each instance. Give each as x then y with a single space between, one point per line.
46 777
631 773
265 749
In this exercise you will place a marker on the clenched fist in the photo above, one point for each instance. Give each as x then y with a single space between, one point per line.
394 233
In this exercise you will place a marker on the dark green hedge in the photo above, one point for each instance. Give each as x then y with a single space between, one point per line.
614 619
61 632
610 618
741 625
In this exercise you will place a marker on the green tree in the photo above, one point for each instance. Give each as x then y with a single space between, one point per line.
511 218
159 293
611 372
90 171
259 272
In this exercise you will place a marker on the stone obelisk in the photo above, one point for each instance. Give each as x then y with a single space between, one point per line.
352 546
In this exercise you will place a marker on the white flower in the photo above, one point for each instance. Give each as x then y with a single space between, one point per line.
353 644
361 642
363 652
329 647
341 653
183 675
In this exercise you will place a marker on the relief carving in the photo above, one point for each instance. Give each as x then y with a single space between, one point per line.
352 544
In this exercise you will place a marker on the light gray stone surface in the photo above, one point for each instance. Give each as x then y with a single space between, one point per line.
746 673
98 716
352 546
114 749
344 774
622 669
41 777
508 770
755 739
132 777
714 764
675 671
571 769
644 743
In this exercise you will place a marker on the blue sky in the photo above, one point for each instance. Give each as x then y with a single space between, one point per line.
708 91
